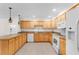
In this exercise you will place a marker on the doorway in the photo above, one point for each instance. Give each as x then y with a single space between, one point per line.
30 37
78 35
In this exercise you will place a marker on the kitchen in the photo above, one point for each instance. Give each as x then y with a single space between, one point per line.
26 33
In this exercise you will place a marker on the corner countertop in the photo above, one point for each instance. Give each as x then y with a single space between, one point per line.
61 36
7 37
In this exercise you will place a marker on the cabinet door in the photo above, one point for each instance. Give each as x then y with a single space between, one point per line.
24 38
11 46
0 47
30 37
19 45
16 44
4 47
62 46
21 38
35 37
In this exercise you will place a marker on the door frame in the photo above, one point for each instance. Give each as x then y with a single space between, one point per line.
32 37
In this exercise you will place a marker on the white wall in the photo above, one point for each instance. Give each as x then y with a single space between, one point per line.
78 34
15 26
5 27
72 18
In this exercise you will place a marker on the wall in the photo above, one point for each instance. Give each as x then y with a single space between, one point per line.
15 26
5 27
71 43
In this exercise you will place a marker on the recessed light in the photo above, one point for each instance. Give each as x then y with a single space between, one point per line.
33 16
49 16
53 9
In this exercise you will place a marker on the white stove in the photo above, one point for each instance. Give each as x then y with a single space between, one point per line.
56 43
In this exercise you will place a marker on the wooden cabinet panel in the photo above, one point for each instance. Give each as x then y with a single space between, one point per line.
47 24
26 24
24 38
16 44
4 47
34 24
36 37
43 37
62 46
11 46
20 41
0 47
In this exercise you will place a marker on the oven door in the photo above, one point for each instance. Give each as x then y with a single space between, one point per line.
56 44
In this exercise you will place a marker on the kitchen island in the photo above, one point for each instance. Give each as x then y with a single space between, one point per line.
10 44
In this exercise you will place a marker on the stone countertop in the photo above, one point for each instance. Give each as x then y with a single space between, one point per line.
37 30
7 37
61 36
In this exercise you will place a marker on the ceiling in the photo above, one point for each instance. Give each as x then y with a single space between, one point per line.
33 10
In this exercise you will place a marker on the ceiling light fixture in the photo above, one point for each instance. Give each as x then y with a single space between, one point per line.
10 19
49 16
19 19
53 9
34 16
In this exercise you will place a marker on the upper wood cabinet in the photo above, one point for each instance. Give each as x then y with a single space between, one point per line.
35 24
54 23
26 24
61 20
47 24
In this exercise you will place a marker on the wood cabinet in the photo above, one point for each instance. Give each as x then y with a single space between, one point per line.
11 44
54 23
24 38
47 24
4 47
16 44
62 45
35 24
25 24
43 37
61 19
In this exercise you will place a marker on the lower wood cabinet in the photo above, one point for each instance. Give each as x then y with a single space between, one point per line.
4 44
43 37
62 45
16 43
9 46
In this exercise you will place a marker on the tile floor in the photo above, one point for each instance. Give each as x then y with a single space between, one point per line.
36 49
